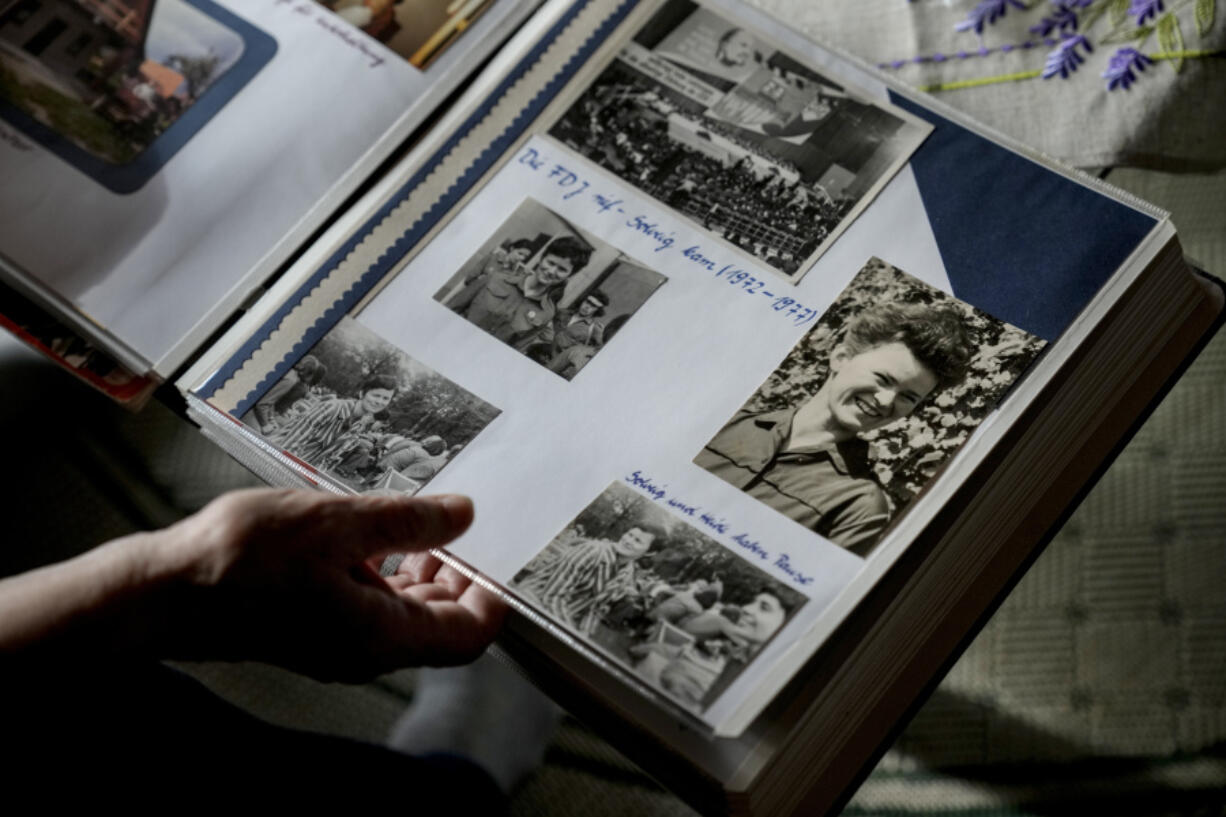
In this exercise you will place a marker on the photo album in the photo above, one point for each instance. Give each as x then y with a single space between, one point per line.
765 374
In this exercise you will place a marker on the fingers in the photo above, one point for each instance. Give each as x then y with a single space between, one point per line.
446 632
452 579
429 580
398 582
306 556
385 524
369 525
424 593
421 625
419 567
488 609
426 567
364 527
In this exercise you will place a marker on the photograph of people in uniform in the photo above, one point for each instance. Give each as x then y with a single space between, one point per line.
548 289
668 603
863 412
367 415
765 153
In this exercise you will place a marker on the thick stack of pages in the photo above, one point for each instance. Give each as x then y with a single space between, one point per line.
766 377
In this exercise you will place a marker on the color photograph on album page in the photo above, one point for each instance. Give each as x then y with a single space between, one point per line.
115 91
418 30
767 154
172 135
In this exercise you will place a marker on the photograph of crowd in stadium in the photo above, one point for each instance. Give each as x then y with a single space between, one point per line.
760 150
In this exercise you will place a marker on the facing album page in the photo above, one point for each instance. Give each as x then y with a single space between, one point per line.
160 158
689 344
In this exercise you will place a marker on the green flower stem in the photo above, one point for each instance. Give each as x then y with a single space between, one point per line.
1187 54
1024 75
974 83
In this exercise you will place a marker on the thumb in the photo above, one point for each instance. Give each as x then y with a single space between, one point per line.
386 524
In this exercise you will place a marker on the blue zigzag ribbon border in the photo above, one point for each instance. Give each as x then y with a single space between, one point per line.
410 237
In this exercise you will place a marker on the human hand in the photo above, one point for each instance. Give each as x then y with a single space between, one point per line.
290 577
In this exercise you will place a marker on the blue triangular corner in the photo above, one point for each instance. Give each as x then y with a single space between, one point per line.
1023 243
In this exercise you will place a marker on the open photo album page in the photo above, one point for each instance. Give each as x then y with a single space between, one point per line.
682 452
683 574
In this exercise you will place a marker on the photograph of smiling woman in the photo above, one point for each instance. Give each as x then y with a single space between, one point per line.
867 407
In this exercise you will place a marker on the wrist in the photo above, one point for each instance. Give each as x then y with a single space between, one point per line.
137 583
174 573
98 602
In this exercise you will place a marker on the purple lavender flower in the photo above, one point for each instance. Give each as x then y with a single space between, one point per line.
1065 59
1062 17
1119 73
987 12
1145 9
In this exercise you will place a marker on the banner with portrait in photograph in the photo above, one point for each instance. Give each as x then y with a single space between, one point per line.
764 152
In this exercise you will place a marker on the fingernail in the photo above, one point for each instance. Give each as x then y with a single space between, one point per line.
459 508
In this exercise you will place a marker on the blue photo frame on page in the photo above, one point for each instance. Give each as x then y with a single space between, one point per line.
118 95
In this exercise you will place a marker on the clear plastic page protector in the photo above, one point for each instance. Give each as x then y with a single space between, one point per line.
150 165
692 347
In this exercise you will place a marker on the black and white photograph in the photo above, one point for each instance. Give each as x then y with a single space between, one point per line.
672 605
367 415
763 152
865 410
548 289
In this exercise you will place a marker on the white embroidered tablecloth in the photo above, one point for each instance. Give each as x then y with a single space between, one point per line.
1166 119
